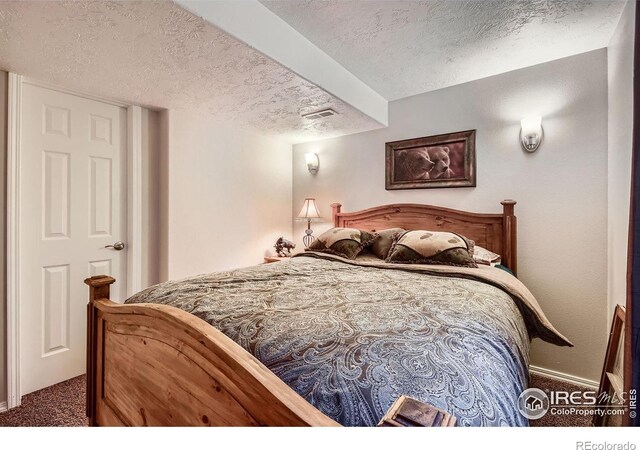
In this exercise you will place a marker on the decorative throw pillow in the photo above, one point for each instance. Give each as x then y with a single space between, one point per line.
381 246
345 242
431 247
484 256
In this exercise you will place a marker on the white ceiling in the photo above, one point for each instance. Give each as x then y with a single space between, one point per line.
251 22
403 48
158 54
155 53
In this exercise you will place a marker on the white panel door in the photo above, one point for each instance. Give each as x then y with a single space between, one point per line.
73 204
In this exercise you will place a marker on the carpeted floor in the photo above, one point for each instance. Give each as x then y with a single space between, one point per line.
62 405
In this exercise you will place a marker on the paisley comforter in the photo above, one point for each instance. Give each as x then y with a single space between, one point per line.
352 336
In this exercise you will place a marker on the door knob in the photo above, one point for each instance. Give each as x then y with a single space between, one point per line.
117 246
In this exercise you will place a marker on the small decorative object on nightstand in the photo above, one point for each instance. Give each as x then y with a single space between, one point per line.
283 247
271 259
309 212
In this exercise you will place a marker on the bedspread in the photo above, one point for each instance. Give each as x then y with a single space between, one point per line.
352 336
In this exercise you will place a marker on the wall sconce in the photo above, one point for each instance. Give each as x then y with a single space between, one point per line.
312 162
531 133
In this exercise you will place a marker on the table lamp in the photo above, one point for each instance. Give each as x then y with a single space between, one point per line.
309 212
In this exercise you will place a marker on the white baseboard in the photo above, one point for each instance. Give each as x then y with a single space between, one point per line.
584 382
3 407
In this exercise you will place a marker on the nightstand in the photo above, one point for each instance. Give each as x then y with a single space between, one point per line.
271 259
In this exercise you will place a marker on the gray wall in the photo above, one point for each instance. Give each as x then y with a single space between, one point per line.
561 189
229 195
620 68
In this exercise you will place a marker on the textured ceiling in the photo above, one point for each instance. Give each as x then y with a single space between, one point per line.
403 48
157 54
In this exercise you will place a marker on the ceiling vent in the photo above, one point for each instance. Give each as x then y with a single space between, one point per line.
320 114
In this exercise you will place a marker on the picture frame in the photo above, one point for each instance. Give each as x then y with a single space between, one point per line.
611 380
441 161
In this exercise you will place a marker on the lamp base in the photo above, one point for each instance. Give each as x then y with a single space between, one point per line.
307 240
531 143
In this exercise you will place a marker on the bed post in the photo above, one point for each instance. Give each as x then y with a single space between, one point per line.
98 290
335 211
510 238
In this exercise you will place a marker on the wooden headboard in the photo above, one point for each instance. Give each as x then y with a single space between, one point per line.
495 232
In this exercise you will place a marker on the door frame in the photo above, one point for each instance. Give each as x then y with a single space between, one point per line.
134 214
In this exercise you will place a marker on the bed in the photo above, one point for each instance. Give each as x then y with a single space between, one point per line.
318 340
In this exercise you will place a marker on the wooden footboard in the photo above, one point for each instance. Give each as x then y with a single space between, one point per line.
156 365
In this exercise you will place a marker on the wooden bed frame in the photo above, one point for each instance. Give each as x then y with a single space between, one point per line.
157 365
495 232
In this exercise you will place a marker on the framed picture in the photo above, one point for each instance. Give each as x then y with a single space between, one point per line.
611 392
446 160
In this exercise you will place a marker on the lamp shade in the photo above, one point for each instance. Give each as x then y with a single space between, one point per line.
309 210
531 133
312 162
531 125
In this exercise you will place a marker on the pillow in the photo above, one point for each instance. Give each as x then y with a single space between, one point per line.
431 247
484 256
381 246
345 242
